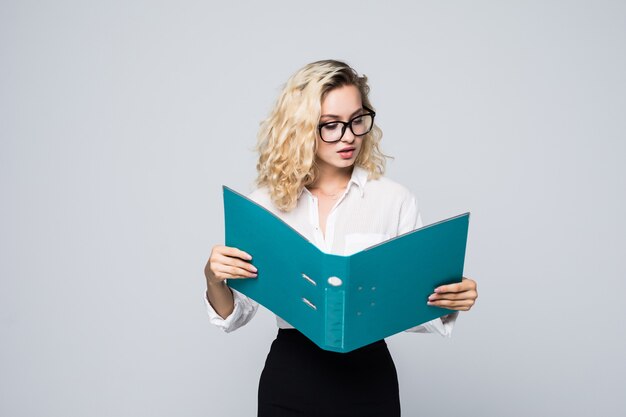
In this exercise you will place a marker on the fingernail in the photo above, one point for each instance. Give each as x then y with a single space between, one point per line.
429 303
254 268
431 297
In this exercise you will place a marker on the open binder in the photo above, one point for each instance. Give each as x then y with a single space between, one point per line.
342 303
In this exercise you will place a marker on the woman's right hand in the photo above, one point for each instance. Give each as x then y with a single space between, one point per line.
228 263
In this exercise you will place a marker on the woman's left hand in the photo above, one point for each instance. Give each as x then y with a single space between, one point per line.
459 296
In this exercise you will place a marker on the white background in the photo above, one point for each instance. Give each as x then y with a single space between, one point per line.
120 120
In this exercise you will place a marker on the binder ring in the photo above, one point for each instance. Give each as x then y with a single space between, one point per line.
308 278
335 281
310 304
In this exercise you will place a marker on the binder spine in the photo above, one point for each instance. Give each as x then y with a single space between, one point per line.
335 317
336 280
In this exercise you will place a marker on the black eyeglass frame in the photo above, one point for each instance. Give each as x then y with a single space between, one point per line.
347 124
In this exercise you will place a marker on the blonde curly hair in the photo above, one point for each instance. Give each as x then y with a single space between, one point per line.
287 139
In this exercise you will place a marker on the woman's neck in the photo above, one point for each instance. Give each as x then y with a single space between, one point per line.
330 179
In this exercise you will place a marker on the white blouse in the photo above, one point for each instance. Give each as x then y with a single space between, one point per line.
368 212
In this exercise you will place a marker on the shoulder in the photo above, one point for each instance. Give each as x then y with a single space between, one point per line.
385 187
262 197
392 205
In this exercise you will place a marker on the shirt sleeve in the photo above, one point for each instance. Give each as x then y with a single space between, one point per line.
442 326
411 219
245 309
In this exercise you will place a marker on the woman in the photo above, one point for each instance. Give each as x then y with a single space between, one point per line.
321 171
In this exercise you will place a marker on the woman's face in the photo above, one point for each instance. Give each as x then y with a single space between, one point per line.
340 104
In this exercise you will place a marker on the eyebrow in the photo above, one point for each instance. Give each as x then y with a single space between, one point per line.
334 116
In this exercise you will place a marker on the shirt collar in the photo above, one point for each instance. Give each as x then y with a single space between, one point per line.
359 178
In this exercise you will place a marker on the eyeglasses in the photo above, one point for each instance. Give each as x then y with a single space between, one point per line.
360 125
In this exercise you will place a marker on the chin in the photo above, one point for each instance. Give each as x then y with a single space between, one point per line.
346 164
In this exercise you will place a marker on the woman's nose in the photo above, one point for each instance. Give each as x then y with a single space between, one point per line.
348 136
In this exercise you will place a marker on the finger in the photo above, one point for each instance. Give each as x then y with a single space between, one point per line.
232 272
449 288
234 262
469 295
453 304
235 253
465 285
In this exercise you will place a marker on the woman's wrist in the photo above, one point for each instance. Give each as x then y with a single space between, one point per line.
215 284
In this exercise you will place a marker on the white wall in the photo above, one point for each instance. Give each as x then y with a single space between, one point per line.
120 120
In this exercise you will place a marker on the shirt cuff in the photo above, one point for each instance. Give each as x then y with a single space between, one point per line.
442 326
244 309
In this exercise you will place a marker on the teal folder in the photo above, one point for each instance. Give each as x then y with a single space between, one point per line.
342 303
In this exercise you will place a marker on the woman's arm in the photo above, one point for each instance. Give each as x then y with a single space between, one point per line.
225 263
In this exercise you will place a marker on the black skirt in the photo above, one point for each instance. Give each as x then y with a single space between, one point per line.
300 379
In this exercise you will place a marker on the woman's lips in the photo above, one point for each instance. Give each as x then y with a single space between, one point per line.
346 153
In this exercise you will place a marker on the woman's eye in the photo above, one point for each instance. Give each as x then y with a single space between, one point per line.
331 126
357 121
